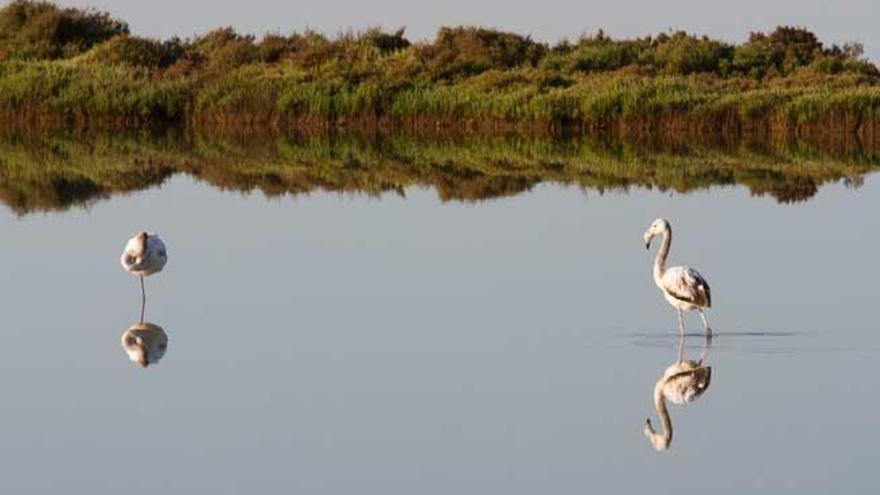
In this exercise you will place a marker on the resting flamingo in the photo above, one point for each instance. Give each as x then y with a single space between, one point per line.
144 255
145 343
683 287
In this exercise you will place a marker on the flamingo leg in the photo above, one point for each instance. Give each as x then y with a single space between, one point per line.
680 348
706 324
707 344
143 299
680 324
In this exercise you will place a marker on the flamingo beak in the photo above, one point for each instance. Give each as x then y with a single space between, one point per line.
648 239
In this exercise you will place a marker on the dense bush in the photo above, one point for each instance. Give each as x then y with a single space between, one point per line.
224 49
685 54
42 30
385 42
272 47
465 51
137 52
465 73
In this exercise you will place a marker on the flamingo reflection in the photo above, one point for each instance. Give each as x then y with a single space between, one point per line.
682 382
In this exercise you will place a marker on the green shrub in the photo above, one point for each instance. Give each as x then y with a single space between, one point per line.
753 59
686 54
464 51
224 49
601 57
385 42
134 51
273 47
466 73
35 29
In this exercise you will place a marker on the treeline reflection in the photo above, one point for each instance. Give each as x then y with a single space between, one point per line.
57 170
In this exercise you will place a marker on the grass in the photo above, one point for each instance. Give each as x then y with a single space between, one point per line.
70 66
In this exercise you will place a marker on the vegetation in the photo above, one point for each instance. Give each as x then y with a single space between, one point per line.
59 170
62 66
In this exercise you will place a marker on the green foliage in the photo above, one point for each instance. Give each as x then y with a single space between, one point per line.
385 42
82 65
793 47
686 54
90 92
272 47
753 59
603 57
36 29
223 49
466 51
136 52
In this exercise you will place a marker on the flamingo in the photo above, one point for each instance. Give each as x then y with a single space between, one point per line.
681 383
144 255
683 287
145 343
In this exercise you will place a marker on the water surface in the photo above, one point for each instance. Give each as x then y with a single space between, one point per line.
387 328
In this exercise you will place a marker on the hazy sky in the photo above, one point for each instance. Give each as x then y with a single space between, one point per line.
548 20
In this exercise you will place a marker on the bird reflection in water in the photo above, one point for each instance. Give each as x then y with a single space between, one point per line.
682 382
145 343
144 254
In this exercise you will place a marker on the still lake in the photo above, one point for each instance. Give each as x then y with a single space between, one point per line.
339 331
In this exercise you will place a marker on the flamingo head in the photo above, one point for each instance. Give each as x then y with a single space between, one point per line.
143 358
142 240
657 227
137 349
660 441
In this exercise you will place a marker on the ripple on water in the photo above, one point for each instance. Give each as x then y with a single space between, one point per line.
771 342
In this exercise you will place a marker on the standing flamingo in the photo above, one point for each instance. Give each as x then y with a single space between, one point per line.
144 255
684 288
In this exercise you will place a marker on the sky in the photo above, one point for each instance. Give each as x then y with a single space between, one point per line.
546 20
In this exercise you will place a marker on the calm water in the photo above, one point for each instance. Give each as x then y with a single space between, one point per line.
398 343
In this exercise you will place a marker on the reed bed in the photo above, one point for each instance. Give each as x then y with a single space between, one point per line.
83 67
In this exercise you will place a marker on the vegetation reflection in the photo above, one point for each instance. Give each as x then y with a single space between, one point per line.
54 171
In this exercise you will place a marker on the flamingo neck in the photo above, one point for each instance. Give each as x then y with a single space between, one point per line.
662 439
142 240
660 260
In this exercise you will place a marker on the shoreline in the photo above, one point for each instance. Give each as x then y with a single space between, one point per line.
865 129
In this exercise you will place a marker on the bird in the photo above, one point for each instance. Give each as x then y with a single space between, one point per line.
682 382
144 255
145 343
683 287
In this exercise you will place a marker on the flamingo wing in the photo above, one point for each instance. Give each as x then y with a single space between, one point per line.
686 284
686 386
156 255
144 255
